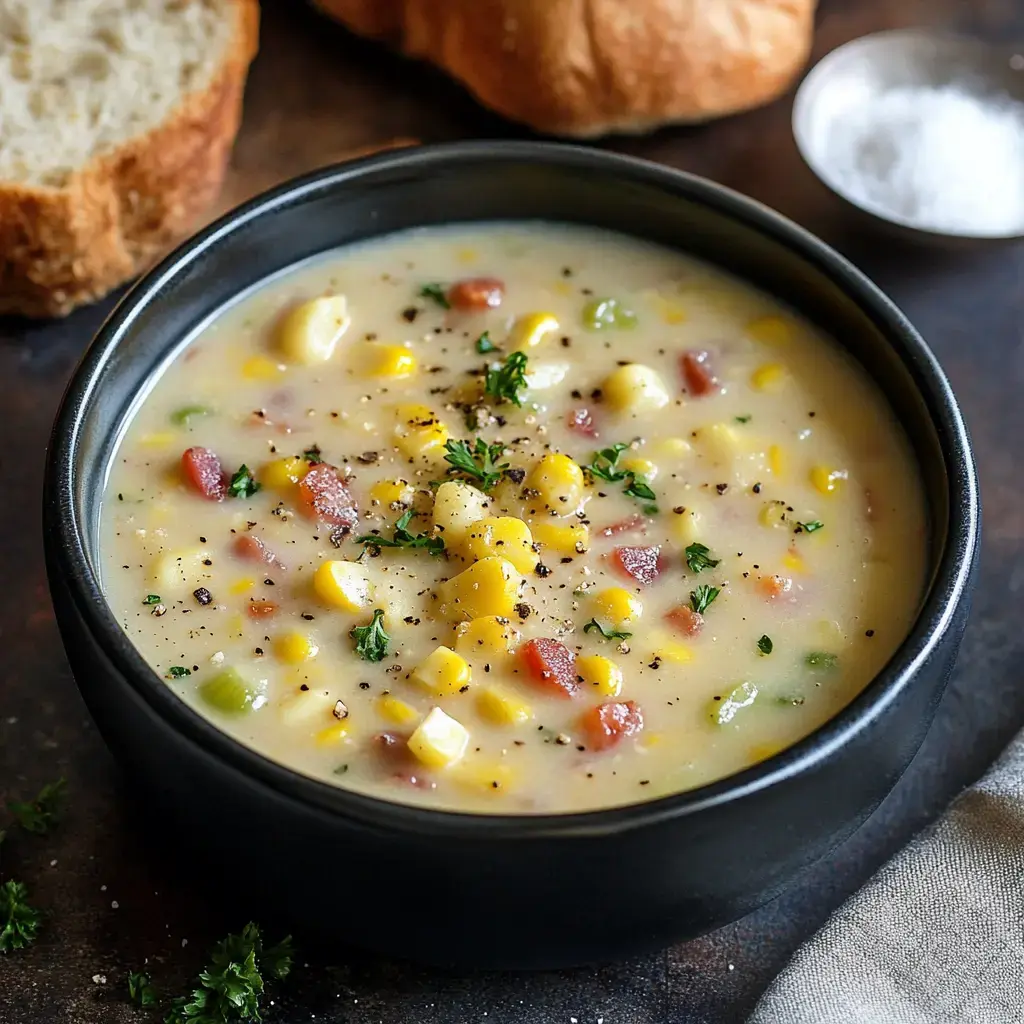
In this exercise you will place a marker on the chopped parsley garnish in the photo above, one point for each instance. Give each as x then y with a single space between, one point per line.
183 416
403 538
765 645
179 671
697 557
479 462
814 524
313 455
607 634
140 989
604 465
744 419
40 815
822 660
702 597
152 599
19 920
243 483
371 641
231 987
435 293
484 344
506 381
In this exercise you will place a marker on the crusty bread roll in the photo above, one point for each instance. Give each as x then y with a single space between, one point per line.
589 67
116 124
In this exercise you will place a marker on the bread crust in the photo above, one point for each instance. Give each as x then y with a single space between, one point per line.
585 68
62 247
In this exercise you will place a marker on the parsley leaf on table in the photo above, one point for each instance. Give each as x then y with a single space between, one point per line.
19 920
140 989
41 814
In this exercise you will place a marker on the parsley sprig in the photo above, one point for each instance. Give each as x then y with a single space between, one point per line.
371 641
403 538
506 381
811 527
19 920
607 634
140 989
435 292
702 597
41 814
604 465
477 462
698 557
484 344
765 645
243 483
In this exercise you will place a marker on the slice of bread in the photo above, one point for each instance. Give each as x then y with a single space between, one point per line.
116 124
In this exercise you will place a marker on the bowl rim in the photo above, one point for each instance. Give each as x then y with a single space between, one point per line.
948 583
809 92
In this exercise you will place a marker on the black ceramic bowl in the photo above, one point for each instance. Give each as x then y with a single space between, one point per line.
504 891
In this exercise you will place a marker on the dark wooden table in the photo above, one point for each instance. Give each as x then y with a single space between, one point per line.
112 901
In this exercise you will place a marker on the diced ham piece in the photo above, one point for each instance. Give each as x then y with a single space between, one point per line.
252 549
203 473
608 724
697 374
392 750
685 621
476 293
633 522
261 609
773 587
581 421
640 564
327 498
551 665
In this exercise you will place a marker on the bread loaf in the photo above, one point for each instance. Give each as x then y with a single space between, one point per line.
589 67
116 124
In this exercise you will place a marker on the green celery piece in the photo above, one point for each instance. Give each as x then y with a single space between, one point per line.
229 691
600 314
723 711
183 416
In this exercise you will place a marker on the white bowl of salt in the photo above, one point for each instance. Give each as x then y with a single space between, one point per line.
920 130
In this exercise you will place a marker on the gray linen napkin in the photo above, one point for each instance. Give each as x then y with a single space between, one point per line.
936 937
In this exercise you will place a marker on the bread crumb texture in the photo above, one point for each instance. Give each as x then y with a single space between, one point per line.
116 123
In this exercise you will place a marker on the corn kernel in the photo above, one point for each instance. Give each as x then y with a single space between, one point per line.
490 636
770 330
671 650
618 605
651 739
792 562
294 648
457 506
559 481
379 360
502 535
442 672
301 708
763 751
671 313
488 587
439 740
333 734
600 672
418 431
773 514
562 538
492 777
283 474
776 460
768 377
181 568
530 330
261 368
242 586
345 585
467 255
720 443
310 331
672 447
827 481
160 440
686 526
639 466
635 389
562 288
502 707
387 492
395 710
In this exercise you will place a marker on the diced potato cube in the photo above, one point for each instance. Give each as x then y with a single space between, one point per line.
686 525
668 649
562 538
673 447
261 368
618 606
541 376
294 648
439 740
159 440
419 431
377 359
502 707
601 673
344 585
457 506
283 474
559 482
442 672
309 332
827 481
396 710
489 587
773 514
530 330
768 377
493 777
181 568
720 443
502 535
770 330
491 636
635 389
306 705
387 492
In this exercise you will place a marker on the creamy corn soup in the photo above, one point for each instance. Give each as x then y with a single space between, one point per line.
513 519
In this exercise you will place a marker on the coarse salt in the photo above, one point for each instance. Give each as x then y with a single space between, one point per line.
943 158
